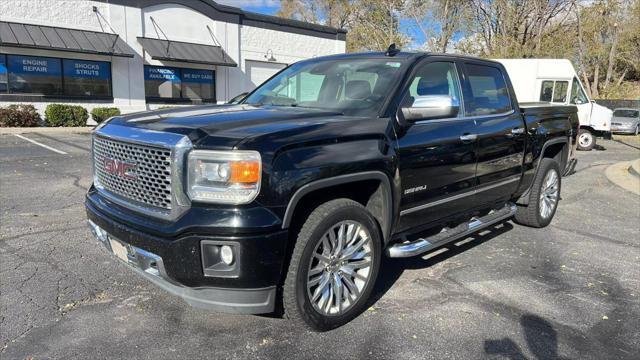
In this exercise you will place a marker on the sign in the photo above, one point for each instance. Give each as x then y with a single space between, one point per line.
32 65
86 69
197 76
162 74
3 66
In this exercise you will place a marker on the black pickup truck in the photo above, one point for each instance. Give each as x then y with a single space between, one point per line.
290 199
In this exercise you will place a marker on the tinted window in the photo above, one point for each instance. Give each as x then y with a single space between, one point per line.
432 82
34 75
198 84
489 94
87 78
162 82
3 73
546 91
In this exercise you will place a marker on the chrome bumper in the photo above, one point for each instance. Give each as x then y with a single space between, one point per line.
151 267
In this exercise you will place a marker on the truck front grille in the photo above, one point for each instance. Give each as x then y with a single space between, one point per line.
145 177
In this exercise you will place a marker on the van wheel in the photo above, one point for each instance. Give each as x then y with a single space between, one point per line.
333 267
543 197
586 140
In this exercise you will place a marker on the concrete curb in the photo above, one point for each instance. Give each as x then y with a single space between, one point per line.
622 175
46 130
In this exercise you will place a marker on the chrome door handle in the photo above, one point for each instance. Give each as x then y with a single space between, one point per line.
517 131
469 137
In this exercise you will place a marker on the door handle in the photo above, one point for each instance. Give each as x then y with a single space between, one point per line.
468 137
517 131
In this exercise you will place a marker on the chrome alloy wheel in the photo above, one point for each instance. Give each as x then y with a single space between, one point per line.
549 194
340 268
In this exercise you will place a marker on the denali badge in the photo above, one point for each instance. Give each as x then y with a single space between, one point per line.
120 168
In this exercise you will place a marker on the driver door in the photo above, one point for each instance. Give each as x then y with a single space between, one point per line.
437 156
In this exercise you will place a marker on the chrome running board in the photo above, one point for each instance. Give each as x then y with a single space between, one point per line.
419 246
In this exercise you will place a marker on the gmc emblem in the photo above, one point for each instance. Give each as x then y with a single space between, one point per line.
120 168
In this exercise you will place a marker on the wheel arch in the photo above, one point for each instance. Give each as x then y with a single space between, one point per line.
371 188
557 149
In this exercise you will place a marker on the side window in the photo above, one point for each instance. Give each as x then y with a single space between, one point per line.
560 91
546 91
489 94
433 84
577 95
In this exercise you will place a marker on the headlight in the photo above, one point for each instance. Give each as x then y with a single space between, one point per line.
224 177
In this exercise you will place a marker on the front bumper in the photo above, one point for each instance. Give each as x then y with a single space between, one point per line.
621 129
175 250
151 267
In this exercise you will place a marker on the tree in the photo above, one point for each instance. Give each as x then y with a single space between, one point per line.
436 20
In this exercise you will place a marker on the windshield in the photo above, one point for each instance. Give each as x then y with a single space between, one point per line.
626 113
356 87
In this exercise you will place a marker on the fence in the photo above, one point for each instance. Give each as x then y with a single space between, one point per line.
619 103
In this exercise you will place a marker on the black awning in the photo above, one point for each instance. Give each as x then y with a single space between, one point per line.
186 52
62 39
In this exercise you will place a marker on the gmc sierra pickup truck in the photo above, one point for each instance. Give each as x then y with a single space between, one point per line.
289 199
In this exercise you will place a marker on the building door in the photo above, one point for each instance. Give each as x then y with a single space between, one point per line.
260 71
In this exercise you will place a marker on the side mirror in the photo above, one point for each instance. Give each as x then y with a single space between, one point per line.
577 101
431 107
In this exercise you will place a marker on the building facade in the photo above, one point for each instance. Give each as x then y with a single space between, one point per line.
143 54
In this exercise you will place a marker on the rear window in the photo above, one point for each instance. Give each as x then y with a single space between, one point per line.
489 94
626 113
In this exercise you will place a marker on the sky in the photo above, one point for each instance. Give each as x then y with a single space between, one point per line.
269 7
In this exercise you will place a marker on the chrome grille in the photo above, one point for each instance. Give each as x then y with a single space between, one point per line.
151 181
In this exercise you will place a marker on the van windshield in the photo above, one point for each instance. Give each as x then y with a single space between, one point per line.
626 113
356 87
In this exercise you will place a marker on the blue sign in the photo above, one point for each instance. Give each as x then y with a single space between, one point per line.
162 74
197 76
86 69
32 65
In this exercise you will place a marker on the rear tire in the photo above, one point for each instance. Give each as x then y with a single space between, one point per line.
586 140
326 286
543 196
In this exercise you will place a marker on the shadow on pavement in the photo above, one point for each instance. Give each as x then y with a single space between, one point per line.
393 268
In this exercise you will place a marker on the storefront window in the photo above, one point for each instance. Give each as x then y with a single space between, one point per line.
34 75
87 78
162 82
168 83
3 74
198 84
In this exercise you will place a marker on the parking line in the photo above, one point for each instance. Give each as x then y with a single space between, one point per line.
41 144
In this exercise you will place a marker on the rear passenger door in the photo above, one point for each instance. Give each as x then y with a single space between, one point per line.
500 131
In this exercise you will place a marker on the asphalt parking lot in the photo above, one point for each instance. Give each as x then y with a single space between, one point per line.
571 290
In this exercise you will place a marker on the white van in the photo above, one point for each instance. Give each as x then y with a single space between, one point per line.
556 81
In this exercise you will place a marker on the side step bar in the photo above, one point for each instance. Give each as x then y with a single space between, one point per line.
419 246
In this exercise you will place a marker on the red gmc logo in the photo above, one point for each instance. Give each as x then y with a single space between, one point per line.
119 168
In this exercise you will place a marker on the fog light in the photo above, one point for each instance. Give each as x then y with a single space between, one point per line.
226 254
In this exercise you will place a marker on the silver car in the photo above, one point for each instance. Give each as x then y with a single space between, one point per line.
626 121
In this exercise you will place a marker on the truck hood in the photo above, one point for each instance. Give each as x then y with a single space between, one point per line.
224 126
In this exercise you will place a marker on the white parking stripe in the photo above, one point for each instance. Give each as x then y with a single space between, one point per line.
41 144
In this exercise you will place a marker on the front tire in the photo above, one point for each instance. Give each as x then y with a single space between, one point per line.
586 140
333 267
543 197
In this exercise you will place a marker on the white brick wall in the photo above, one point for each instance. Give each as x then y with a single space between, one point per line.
179 23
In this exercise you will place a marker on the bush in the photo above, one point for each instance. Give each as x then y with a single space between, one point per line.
101 114
19 116
65 115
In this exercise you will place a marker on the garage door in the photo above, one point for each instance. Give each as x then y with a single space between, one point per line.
259 71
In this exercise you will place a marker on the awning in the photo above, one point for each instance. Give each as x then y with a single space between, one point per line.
186 52
62 39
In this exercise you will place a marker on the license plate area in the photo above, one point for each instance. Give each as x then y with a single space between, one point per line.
119 250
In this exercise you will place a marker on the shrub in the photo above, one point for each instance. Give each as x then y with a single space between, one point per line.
101 114
19 116
65 115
